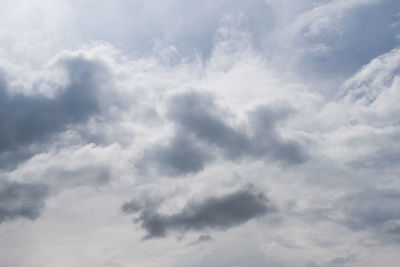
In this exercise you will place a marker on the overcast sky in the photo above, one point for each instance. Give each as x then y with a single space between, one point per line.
188 133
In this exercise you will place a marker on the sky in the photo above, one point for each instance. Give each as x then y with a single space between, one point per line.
187 133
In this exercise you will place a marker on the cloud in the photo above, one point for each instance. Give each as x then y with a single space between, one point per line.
201 239
326 30
182 155
392 230
218 213
26 120
196 113
21 200
266 140
370 208
202 128
343 260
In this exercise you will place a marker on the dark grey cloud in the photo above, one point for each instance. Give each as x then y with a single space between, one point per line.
219 213
29 120
21 200
202 130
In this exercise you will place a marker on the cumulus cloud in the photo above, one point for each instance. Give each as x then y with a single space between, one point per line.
219 213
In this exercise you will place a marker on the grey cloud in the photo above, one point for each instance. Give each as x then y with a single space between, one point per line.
198 114
10 159
392 230
343 260
202 239
339 261
19 200
218 213
370 208
63 177
27 120
132 206
182 155
267 142
384 158
238 253
141 202
376 211
201 130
